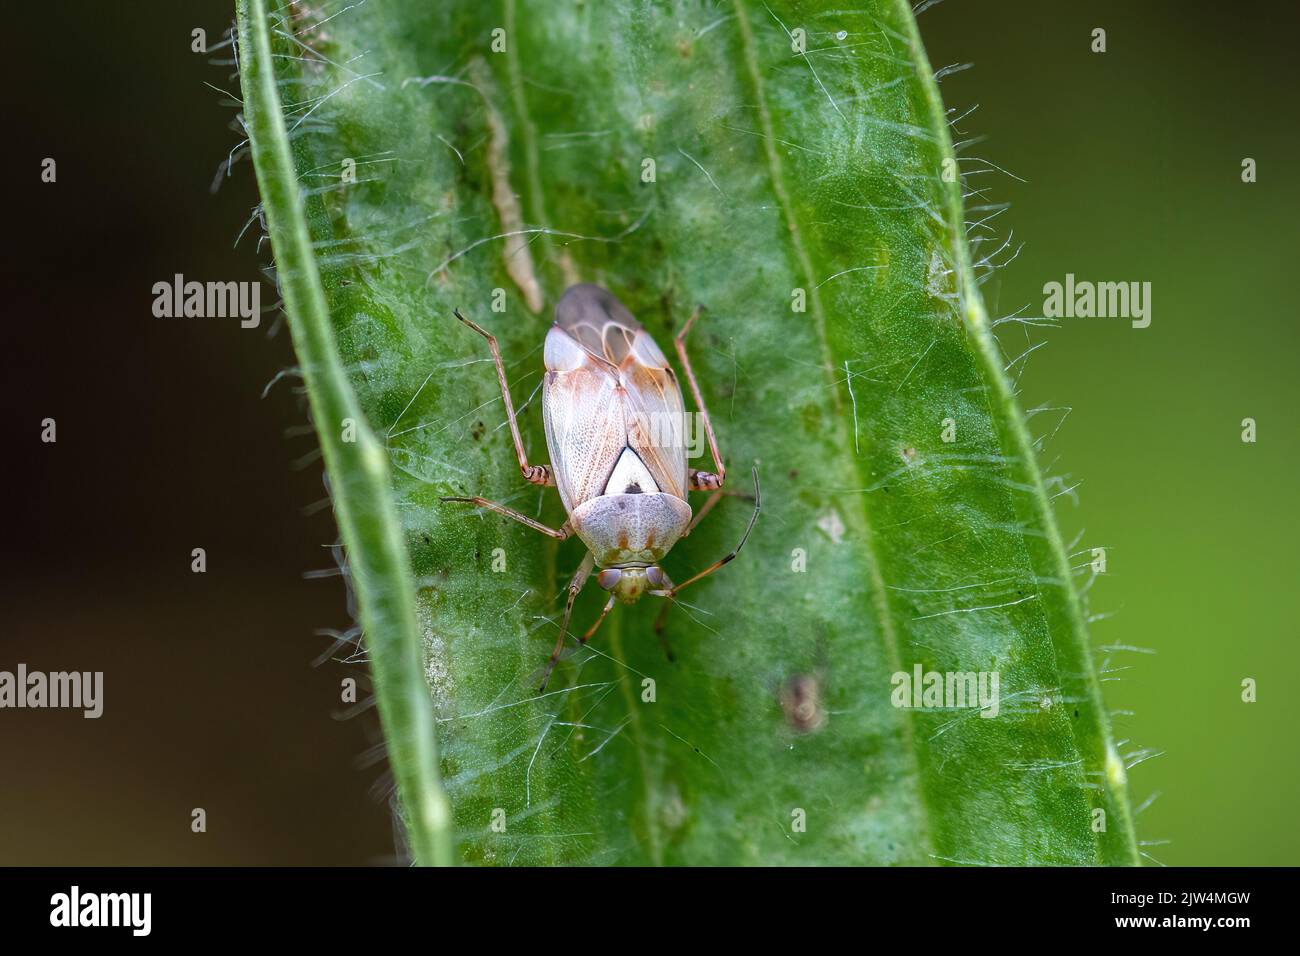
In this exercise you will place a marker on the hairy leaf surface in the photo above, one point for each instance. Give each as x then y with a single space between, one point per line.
684 153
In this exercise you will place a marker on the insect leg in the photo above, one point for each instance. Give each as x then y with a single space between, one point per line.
575 585
560 533
699 480
672 592
709 503
537 474
609 605
705 508
661 617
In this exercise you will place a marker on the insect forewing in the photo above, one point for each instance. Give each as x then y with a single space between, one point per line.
655 415
583 411
608 386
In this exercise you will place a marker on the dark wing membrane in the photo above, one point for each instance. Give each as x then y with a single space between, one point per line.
598 322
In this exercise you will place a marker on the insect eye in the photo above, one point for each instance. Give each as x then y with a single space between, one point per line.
655 577
608 578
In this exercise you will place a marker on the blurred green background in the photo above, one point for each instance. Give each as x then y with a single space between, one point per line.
1131 161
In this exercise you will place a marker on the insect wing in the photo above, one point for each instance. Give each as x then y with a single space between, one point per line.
608 386
656 416
583 409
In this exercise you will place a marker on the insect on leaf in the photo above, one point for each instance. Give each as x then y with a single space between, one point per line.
781 164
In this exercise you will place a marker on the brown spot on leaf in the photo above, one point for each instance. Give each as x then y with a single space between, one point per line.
801 703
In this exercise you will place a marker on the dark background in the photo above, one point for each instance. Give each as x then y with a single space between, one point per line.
165 443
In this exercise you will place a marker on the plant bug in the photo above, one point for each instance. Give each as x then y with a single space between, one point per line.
615 425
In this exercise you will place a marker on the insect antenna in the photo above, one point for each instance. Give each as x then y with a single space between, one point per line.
729 557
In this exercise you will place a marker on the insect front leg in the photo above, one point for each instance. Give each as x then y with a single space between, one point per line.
560 533
700 480
662 617
537 474
575 585
609 606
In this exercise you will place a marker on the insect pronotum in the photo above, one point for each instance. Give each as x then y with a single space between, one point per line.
615 424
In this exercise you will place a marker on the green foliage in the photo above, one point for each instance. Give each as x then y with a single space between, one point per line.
801 198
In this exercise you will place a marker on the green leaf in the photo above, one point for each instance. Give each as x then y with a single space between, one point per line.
379 566
802 199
